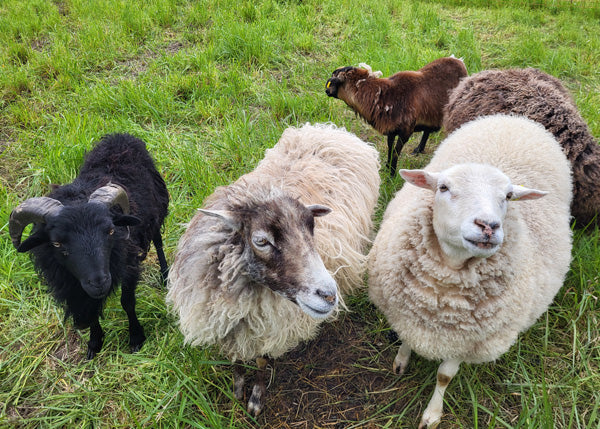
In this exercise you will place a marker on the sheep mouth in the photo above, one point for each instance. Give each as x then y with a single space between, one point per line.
482 244
484 247
320 312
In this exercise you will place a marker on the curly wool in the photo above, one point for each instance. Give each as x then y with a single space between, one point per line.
541 98
215 301
475 313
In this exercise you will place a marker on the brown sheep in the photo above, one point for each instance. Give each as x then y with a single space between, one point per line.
401 104
541 98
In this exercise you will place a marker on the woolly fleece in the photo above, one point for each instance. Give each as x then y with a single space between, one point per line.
475 313
215 301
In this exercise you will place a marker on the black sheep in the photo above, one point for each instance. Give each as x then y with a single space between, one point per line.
92 234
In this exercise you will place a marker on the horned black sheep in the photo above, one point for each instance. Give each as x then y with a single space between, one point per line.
91 235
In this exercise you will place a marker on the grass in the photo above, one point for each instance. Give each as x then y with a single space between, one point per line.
209 85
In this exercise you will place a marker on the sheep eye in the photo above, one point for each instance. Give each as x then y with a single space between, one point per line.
443 188
111 232
260 241
509 196
56 244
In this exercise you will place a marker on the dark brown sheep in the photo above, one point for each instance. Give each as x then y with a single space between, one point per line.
401 104
541 98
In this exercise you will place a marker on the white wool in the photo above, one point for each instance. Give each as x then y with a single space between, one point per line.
475 313
368 68
208 290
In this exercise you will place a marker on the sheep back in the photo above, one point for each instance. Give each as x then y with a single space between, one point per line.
124 159
542 98
475 313
405 99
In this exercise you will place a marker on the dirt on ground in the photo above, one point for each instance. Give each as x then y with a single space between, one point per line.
340 379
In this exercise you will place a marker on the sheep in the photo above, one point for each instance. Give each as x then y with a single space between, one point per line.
542 98
457 269
246 276
401 104
92 234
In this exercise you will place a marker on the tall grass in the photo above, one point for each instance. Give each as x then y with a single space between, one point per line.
209 85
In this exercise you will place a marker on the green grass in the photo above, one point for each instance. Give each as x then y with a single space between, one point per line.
209 85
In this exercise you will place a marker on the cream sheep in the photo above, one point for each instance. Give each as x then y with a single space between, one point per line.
246 275
459 271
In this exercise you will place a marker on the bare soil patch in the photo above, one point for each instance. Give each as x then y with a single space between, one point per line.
342 377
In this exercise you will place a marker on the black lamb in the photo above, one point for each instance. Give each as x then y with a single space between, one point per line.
91 235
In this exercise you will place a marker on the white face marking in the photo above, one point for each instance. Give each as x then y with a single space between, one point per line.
321 297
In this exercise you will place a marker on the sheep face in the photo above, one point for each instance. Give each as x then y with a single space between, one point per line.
340 76
469 207
279 252
81 239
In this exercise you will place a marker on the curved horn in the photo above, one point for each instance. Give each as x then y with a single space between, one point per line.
111 194
33 210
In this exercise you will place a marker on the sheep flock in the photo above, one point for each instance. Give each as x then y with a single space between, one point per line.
470 251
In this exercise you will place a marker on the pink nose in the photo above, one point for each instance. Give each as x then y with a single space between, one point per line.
487 228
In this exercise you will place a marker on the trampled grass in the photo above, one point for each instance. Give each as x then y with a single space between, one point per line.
209 85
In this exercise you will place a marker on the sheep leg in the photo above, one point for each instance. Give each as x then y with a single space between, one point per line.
136 332
433 412
96 339
394 153
421 147
239 373
259 391
158 245
390 145
401 360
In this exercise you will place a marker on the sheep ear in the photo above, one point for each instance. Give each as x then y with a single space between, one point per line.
420 178
126 220
34 240
319 210
225 215
522 193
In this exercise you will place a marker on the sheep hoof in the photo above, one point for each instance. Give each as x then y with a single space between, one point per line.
136 343
94 347
427 423
398 369
256 402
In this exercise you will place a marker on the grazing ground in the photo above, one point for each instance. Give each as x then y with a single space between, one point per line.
209 85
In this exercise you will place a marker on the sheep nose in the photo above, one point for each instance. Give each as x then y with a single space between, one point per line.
328 296
487 228
98 285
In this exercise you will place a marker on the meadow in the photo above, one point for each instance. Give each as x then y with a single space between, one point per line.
209 85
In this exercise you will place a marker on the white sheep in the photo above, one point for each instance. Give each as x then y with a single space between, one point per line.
246 275
459 271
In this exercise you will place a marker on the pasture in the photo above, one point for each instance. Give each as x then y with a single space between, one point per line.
209 85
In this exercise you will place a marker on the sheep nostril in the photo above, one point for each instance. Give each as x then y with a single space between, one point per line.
327 296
